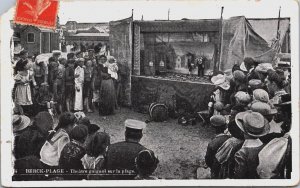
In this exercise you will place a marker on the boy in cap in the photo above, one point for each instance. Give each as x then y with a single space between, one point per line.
254 126
219 124
121 155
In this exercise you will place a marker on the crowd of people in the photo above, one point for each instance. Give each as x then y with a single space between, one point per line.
250 110
78 83
77 149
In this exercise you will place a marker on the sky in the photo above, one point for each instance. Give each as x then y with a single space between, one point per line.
105 11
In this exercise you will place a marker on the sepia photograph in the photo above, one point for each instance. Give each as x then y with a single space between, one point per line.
199 91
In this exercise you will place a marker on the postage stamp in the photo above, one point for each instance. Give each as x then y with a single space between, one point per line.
42 13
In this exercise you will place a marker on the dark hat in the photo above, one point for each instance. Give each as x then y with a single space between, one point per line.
252 123
70 55
84 121
146 161
20 122
79 132
218 120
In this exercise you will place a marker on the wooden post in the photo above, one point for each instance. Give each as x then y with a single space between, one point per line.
220 38
219 46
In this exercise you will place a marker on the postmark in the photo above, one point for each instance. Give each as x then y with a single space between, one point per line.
41 13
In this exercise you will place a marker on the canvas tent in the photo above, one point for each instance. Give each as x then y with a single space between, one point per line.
241 39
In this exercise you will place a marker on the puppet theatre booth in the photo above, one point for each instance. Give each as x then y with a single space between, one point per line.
172 62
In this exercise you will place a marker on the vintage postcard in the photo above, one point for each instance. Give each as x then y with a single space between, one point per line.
154 93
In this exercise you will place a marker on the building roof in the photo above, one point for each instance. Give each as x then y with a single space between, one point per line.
91 35
179 25
43 30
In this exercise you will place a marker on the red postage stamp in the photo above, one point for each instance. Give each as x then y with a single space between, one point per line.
41 13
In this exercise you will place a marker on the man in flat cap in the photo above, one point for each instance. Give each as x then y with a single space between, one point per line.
120 157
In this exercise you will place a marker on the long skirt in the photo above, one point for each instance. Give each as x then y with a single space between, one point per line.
107 97
23 94
78 105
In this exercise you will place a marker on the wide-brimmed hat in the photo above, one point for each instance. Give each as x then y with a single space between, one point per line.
218 120
261 95
252 123
20 122
220 80
263 108
264 67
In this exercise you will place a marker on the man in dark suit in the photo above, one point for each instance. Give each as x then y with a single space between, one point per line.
219 123
120 157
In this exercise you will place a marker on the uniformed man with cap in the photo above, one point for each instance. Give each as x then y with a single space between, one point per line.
120 157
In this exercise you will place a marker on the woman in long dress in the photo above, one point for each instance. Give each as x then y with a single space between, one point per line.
107 93
79 81
23 77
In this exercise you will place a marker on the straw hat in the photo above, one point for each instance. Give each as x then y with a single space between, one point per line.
20 122
220 80
252 123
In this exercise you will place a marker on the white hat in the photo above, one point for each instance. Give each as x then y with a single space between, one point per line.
243 67
135 124
220 80
264 67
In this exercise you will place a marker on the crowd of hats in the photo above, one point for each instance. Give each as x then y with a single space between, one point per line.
251 101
